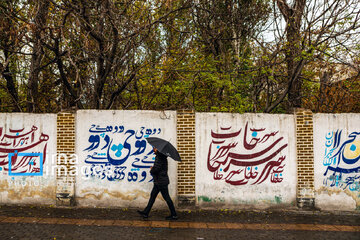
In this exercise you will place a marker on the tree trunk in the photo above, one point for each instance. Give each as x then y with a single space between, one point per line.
42 7
10 84
293 16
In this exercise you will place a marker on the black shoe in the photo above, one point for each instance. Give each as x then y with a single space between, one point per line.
143 214
172 217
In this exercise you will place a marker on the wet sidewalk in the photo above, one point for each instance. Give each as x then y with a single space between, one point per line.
104 223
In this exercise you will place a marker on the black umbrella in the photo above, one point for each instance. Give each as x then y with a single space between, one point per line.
165 147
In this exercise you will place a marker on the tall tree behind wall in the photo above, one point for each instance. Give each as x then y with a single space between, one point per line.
304 33
9 45
37 25
162 83
81 54
203 54
203 51
24 58
104 47
222 34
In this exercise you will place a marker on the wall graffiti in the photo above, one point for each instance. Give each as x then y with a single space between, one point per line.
341 160
22 151
115 153
246 156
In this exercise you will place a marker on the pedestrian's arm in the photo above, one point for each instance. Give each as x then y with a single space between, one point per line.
156 168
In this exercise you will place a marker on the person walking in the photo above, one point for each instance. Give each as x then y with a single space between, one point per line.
161 182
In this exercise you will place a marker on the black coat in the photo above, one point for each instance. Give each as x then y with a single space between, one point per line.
159 170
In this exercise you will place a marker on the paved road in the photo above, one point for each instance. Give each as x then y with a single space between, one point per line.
77 223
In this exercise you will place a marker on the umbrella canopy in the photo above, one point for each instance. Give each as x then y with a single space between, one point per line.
165 147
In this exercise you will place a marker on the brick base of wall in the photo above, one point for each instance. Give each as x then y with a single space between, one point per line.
186 201
305 203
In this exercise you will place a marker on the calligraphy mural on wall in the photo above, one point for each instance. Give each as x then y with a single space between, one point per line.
341 159
115 153
22 151
246 156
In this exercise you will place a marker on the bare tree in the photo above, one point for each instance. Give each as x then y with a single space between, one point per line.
108 37
304 32
225 27
9 43
38 26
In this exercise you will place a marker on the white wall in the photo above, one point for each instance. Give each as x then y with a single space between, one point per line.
26 134
114 142
337 176
228 174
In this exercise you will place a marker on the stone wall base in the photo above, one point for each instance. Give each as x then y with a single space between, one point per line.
306 203
65 200
186 201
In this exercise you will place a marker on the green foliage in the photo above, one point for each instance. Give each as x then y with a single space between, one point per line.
204 55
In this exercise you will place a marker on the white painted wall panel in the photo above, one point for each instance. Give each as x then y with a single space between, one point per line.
245 159
30 141
115 158
337 161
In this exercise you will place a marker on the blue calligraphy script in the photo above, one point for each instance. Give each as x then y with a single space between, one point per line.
112 150
342 160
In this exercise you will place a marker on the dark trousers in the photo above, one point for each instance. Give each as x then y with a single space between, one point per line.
165 193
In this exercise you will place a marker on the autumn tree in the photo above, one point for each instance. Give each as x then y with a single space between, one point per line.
200 57
87 51
227 55
11 34
303 32
222 34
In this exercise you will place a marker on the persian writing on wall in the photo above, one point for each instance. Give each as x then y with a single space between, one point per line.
22 151
118 153
342 160
246 156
